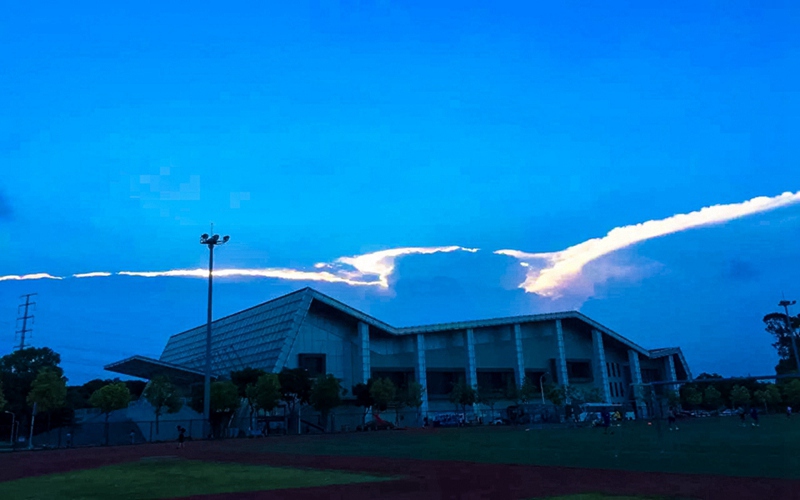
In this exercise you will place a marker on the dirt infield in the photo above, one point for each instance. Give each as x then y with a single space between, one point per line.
421 479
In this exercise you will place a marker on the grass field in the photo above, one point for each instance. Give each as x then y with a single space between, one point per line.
170 479
707 446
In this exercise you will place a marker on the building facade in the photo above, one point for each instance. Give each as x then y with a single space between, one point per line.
311 330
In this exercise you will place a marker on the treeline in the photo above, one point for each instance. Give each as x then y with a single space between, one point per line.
711 392
33 376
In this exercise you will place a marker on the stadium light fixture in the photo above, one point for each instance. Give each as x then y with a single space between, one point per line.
210 242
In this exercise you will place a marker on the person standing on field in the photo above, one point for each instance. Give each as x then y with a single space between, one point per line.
181 436
672 419
788 412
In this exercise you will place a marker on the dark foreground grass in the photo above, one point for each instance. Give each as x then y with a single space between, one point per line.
168 480
702 446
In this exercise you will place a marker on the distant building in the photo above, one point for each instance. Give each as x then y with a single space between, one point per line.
314 331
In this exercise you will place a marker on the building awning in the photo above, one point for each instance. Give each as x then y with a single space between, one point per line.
149 368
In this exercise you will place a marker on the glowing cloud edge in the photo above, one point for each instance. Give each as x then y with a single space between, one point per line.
556 270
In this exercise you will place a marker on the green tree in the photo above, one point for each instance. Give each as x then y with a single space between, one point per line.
593 396
691 397
19 369
774 396
555 394
245 379
2 397
488 396
266 393
511 392
761 397
224 397
529 390
740 395
712 398
48 392
326 394
361 392
110 398
463 395
295 388
382 392
163 396
413 394
791 393
673 399
409 396
782 332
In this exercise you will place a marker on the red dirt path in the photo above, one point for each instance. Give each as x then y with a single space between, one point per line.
421 479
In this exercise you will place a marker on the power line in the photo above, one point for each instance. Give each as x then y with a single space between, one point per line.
25 317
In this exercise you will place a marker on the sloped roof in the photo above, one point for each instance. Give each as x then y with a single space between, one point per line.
257 337
666 351
149 368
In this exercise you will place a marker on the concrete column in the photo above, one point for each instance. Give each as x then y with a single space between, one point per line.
363 337
472 372
636 368
421 373
636 379
671 375
520 366
600 370
563 378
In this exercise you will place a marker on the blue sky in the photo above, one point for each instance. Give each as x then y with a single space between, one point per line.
326 129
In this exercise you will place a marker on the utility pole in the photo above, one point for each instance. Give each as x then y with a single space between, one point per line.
25 317
211 242
785 304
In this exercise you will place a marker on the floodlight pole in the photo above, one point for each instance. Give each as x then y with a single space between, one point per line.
211 242
785 304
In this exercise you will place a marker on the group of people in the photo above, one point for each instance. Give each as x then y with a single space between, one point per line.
743 416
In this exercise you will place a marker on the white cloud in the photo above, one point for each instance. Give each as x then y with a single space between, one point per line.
555 273
372 269
24 277
96 274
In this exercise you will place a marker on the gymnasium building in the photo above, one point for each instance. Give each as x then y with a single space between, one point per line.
314 331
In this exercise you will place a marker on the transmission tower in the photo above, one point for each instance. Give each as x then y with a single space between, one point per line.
24 318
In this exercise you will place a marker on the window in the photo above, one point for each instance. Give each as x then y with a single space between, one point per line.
611 389
400 378
535 376
313 363
440 383
608 368
496 380
579 371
